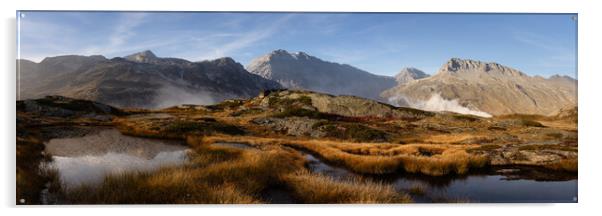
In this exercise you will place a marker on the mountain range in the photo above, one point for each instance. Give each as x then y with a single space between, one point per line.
139 80
147 81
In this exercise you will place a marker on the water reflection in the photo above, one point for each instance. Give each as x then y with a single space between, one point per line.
317 166
88 159
516 185
491 188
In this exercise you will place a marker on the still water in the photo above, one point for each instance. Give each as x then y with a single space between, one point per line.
493 186
88 159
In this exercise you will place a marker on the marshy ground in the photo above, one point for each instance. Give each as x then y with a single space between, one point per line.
274 133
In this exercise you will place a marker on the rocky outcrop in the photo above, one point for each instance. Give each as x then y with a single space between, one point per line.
513 155
58 106
293 126
348 105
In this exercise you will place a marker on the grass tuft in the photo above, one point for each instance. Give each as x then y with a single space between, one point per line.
316 188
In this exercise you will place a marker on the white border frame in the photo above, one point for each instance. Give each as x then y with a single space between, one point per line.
589 102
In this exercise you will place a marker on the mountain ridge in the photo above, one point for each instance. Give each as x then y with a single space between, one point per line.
140 80
300 70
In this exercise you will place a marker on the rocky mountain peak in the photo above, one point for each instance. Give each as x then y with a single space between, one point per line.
283 54
280 52
457 65
300 70
409 74
226 61
146 56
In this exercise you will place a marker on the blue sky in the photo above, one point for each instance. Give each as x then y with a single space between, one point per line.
543 44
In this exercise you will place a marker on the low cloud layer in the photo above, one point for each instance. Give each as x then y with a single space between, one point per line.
172 96
436 103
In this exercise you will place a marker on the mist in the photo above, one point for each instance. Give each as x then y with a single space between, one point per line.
169 96
436 103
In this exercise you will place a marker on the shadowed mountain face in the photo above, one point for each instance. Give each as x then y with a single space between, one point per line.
481 88
139 80
302 71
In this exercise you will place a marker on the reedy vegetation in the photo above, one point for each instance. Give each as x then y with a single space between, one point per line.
377 158
228 175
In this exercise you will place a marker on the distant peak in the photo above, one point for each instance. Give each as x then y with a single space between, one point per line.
412 70
408 74
144 56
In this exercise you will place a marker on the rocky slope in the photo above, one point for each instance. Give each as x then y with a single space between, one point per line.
481 88
139 80
302 71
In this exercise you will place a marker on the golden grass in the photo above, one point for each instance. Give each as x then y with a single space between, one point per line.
141 129
173 128
380 158
455 138
567 165
417 189
563 125
166 186
316 188
214 175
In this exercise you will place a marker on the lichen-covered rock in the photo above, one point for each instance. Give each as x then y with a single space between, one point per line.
539 157
347 105
293 126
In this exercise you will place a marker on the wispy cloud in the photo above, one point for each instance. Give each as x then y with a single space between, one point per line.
560 59
538 41
124 30
246 39
120 36
39 38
